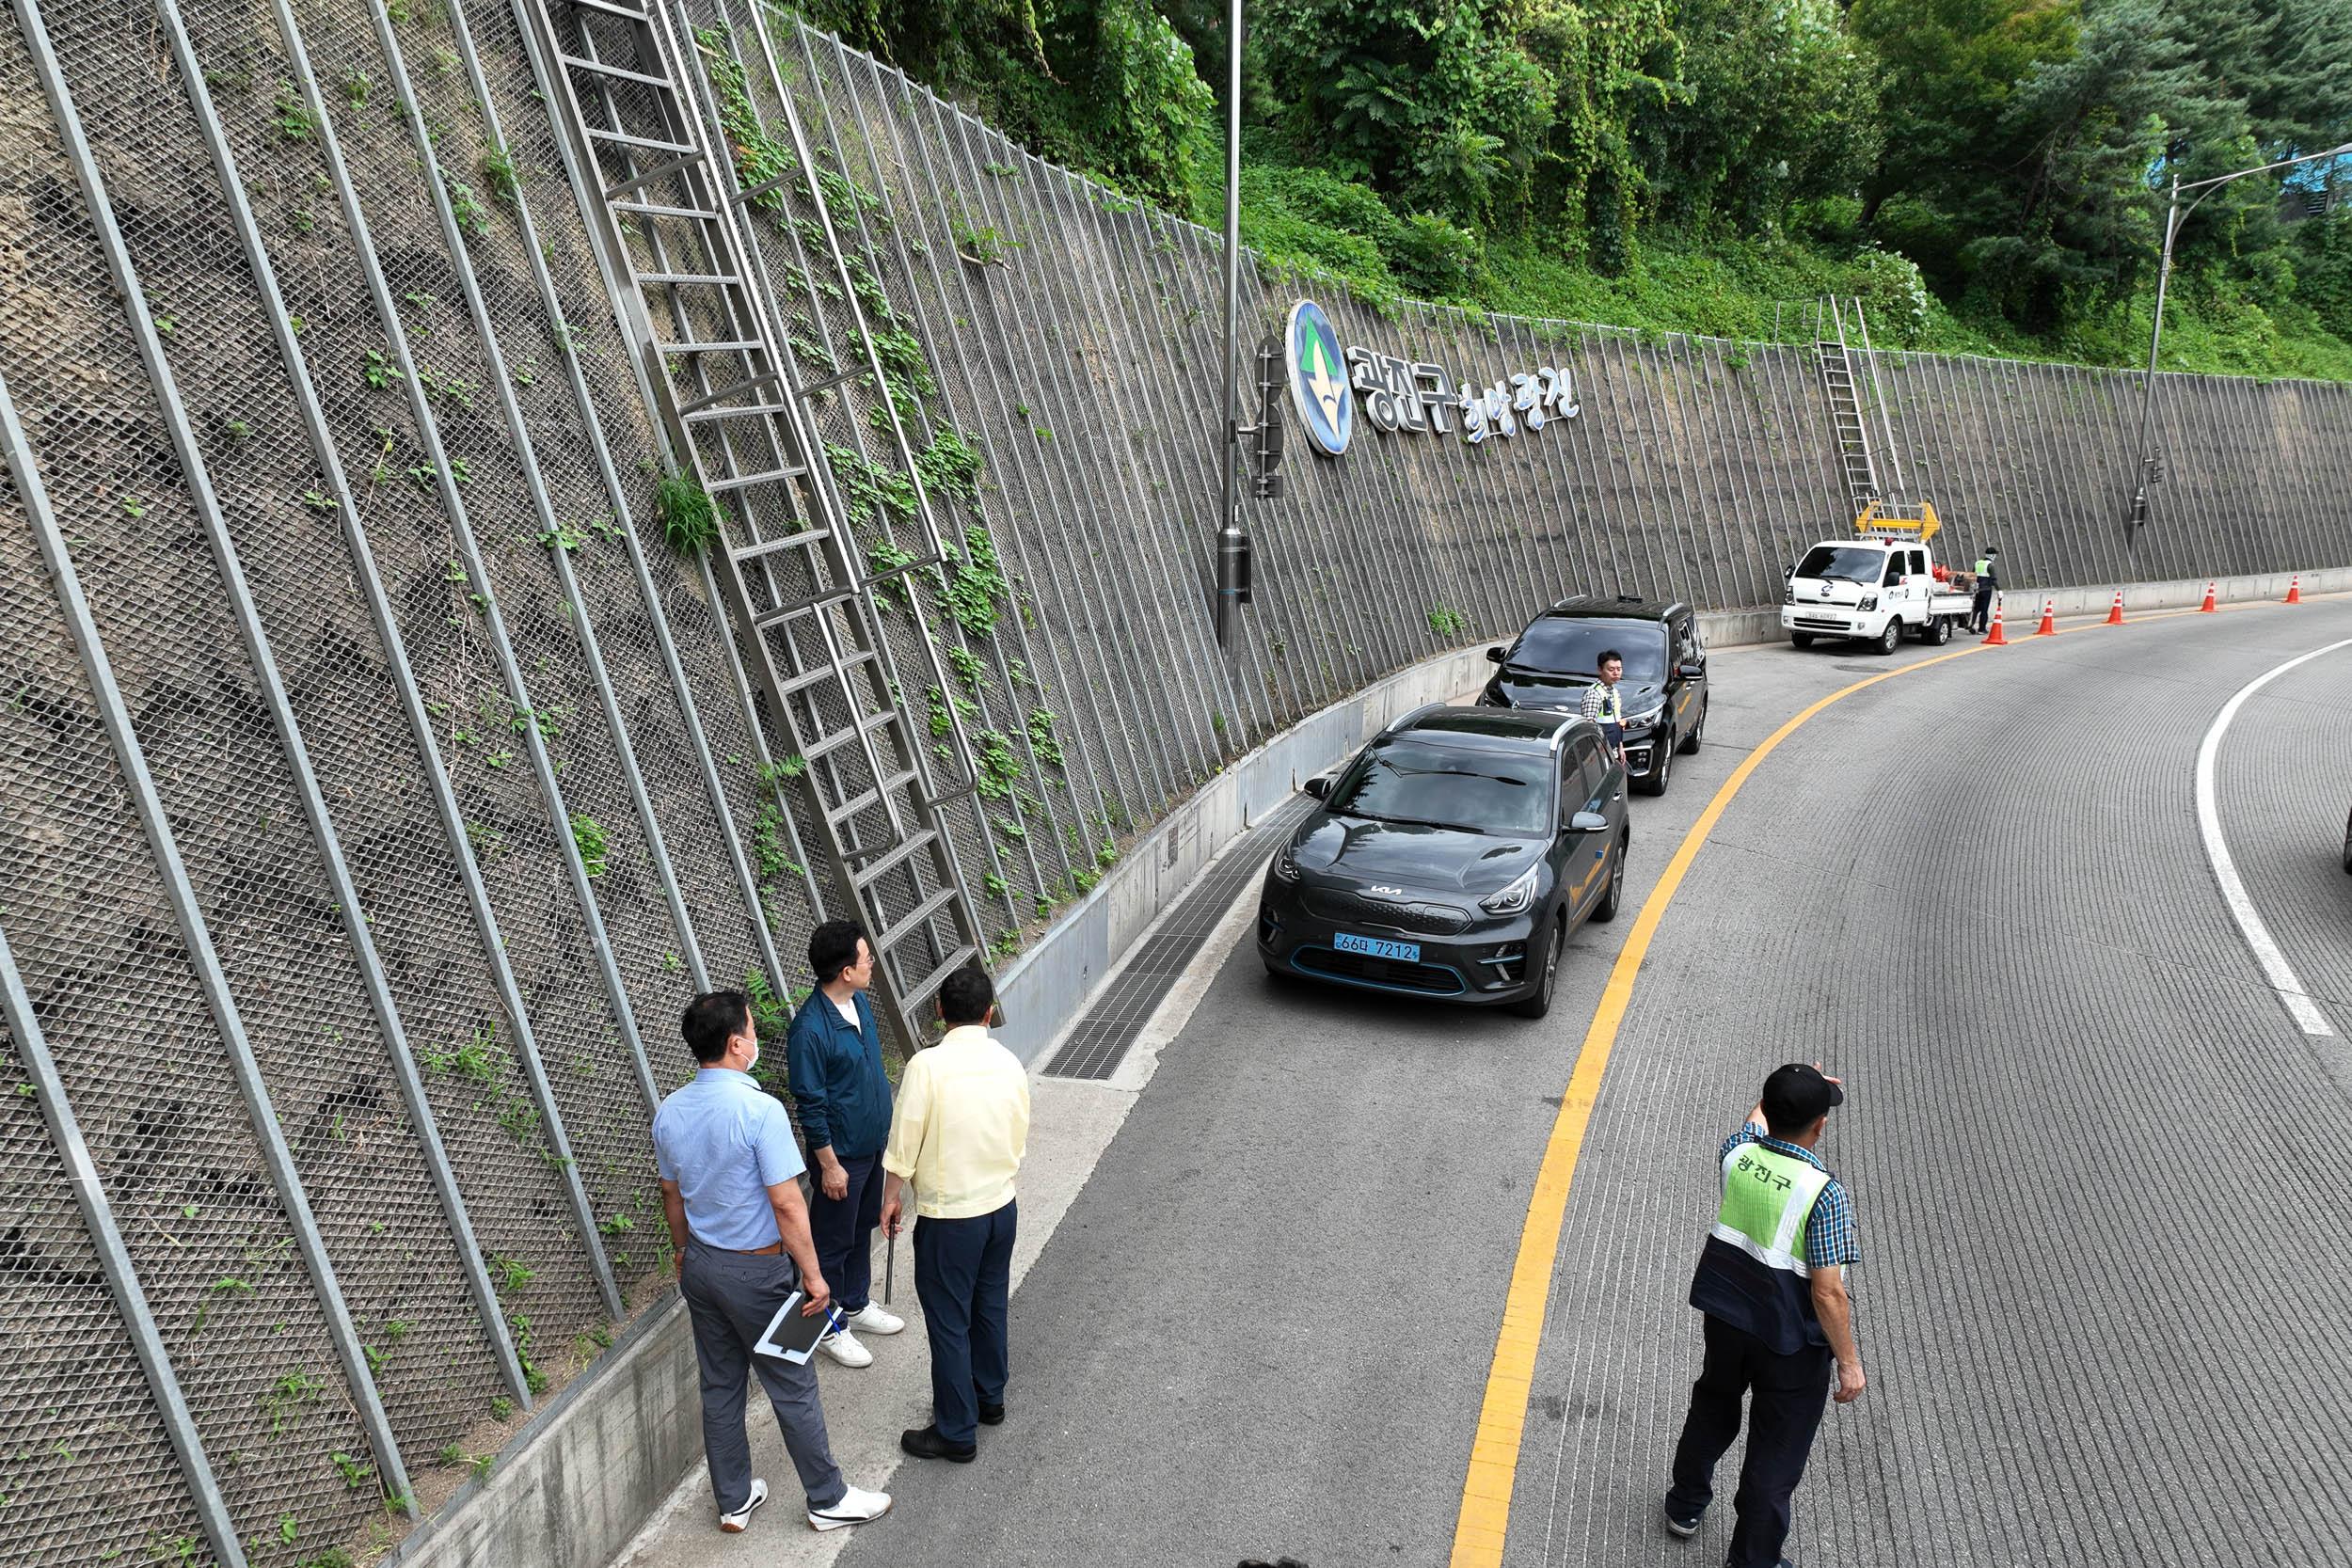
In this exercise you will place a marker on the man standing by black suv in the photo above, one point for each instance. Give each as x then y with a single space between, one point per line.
1605 706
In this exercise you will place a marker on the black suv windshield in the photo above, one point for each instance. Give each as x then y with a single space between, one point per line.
1849 562
1404 780
1562 646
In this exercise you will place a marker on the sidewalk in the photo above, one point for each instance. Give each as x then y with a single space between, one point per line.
1071 1122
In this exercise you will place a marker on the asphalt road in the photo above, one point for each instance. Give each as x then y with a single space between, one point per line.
2100 1176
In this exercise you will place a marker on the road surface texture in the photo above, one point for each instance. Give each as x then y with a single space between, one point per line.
2099 1173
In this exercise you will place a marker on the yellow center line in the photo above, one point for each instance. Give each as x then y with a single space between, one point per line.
1485 1516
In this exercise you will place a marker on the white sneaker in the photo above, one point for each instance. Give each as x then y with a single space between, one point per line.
872 1319
843 1347
733 1523
855 1508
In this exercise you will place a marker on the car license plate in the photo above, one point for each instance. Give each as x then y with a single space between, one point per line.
1409 952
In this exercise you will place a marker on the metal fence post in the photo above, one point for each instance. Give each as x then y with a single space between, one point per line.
98 1218
534 744
202 959
264 663
584 1214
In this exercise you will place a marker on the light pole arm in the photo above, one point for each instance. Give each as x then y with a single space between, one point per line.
2174 216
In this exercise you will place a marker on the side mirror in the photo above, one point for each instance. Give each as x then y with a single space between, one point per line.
1691 671
1588 822
1319 786
1496 655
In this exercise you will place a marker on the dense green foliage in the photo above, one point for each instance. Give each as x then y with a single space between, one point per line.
1988 174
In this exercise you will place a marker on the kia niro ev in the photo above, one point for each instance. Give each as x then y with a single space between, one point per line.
1452 858
1664 687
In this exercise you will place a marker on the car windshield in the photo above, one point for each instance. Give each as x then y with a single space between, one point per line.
1564 646
1849 562
1403 780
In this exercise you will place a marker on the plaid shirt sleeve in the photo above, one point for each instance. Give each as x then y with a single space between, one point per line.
1828 1238
1592 701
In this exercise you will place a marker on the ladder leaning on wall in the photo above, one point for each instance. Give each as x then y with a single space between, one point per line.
800 592
1874 499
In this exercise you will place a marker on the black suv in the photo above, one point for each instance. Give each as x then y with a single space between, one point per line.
1664 688
1450 858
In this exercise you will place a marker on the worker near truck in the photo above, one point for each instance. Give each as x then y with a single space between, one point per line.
1987 585
1771 1285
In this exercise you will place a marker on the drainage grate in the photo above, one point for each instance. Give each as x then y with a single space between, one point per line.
1099 1042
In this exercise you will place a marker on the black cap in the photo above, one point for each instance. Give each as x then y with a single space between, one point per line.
1797 1096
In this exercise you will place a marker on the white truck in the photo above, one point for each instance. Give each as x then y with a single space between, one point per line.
1871 589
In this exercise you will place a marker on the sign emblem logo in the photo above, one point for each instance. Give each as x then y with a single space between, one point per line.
1327 404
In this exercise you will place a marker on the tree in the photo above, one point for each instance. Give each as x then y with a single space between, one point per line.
2072 225
1439 106
1952 68
1776 101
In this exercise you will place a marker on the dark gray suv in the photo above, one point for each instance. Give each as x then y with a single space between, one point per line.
1450 858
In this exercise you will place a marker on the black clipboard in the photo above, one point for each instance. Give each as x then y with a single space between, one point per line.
791 1336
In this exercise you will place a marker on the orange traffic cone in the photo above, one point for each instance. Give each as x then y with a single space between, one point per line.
1993 637
2294 588
2206 608
2115 616
2049 624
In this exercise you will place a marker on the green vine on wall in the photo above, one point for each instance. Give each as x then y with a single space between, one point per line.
969 583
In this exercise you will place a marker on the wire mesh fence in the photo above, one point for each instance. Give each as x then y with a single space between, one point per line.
360 479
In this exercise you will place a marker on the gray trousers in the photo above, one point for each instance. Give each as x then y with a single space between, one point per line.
730 1297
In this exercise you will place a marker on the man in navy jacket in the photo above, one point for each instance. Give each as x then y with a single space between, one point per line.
834 1061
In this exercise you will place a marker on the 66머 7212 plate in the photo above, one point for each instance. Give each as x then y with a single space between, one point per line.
1407 952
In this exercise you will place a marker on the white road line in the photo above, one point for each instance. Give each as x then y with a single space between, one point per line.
2274 963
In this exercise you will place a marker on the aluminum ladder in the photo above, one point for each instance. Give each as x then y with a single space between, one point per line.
799 591
1847 425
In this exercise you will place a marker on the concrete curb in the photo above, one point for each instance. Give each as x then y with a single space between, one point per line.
587 1469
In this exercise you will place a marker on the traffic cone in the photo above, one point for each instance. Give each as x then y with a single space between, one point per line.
2206 608
2049 622
2294 588
1993 637
2115 615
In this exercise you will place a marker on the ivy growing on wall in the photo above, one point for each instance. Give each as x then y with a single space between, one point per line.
970 584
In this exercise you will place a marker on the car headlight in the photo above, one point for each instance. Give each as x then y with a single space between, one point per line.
1286 865
1788 595
1869 601
1643 720
1515 899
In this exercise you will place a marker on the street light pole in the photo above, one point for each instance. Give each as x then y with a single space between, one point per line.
2173 218
1233 546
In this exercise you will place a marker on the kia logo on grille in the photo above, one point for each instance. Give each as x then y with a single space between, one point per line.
1391 892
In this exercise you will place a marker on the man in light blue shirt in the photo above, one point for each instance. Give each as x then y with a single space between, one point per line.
730 1187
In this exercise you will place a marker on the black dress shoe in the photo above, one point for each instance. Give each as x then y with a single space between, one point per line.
992 1415
926 1443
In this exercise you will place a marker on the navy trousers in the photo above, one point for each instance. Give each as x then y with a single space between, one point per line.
843 1231
962 1273
1789 1393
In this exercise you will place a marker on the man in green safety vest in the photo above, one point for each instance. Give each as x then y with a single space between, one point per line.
1772 1284
1988 584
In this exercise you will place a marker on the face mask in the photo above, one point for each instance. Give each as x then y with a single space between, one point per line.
755 1061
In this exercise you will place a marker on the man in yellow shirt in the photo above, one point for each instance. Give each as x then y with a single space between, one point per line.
957 1134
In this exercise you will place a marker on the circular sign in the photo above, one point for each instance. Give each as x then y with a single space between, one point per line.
1319 379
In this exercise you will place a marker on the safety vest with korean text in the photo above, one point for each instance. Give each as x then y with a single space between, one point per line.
1752 1273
